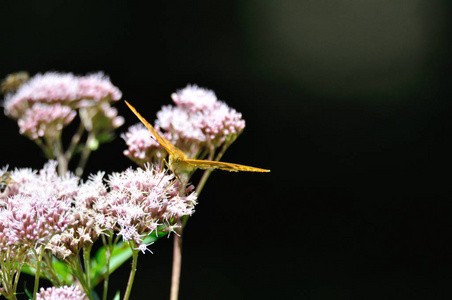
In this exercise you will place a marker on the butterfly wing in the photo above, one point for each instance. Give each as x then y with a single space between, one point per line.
178 160
208 164
164 142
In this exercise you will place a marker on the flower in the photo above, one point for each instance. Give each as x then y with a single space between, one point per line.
89 221
144 201
38 206
193 98
142 147
97 86
60 293
198 124
62 88
135 204
48 102
43 120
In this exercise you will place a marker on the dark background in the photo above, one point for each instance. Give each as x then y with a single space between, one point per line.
347 102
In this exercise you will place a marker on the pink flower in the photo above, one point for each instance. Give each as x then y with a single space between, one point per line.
146 200
193 98
63 88
43 120
60 293
51 87
48 102
37 206
91 220
198 124
35 219
97 86
181 123
199 117
142 147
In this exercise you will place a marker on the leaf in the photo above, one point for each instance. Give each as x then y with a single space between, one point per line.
117 296
121 253
63 271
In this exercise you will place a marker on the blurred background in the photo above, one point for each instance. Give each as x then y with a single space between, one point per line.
347 102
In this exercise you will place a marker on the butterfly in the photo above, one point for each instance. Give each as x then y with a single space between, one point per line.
178 161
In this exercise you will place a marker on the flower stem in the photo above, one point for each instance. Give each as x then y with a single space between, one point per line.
85 154
38 270
108 250
86 262
74 142
177 263
132 272
81 277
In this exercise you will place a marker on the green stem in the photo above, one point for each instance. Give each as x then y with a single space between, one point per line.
81 278
132 272
74 142
59 154
51 274
38 270
86 262
20 263
108 250
177 245
85 154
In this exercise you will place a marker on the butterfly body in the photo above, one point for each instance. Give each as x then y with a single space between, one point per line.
178 161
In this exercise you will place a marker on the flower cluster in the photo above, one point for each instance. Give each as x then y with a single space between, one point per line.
142 147
50 101
90 222
198 124
61 293
144 201
37 206
44 119
42 207
134 204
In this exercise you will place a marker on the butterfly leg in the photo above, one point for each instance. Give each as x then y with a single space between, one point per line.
176 177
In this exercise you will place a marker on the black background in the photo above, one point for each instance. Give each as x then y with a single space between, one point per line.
347 102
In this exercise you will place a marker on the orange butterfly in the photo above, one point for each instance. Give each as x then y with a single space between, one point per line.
178 161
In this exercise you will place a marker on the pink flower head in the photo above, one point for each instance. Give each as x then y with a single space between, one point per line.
38 205
98 86
63 88
198 124
146 200
51 87
90 219
35 219
200 117
193 98
60 293
43 120
142 147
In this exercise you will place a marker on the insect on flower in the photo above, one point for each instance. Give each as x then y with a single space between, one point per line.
13 81
178 161
4 181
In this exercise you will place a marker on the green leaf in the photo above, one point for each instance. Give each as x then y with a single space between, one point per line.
121 253
117 296
28 270
27 291
63 271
